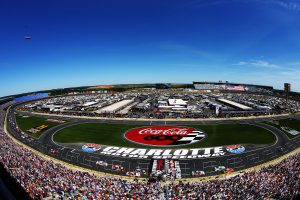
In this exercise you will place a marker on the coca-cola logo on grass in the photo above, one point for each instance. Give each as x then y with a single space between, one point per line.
164 135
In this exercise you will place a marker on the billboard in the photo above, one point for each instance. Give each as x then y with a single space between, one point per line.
235 87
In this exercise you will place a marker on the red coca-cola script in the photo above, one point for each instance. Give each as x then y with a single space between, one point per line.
157 135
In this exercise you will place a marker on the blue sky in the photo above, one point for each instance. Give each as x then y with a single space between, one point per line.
77 43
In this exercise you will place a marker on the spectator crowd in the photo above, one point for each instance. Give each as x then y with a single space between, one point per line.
42 178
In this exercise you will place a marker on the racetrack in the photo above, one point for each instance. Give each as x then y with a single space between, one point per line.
78 157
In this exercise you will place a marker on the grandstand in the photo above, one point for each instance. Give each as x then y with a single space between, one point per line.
5 100
228 86
31 97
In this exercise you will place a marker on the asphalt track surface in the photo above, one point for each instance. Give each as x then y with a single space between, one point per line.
248 159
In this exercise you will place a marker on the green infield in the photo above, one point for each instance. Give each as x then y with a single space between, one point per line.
27 122
285 125
112 134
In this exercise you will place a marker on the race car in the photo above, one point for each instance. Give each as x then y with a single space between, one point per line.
220 168
228 170
198 173
102 163
53 151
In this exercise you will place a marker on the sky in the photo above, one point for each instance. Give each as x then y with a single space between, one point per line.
79 43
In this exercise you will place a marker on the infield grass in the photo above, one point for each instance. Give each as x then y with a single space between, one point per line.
112 134
291 123
27 122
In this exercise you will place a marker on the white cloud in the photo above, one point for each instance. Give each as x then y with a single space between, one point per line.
287 4
293 5
241 63
276 77
262 63
258 63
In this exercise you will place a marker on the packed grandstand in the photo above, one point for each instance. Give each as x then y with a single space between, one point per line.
38 176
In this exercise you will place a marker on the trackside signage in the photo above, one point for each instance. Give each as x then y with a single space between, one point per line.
164 135
163 153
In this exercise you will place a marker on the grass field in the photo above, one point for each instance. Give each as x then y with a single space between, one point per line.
292 123
112 134
26 123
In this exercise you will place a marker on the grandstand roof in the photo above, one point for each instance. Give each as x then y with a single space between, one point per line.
116 106
235 104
